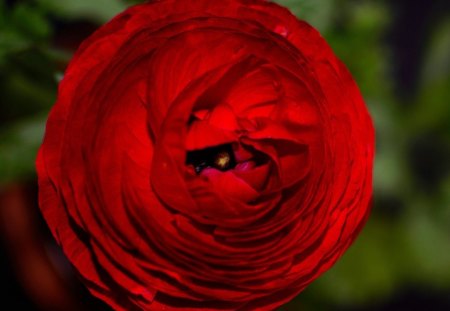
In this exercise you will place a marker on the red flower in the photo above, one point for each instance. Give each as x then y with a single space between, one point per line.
205 155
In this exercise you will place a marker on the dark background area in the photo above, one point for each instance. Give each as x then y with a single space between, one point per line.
399 54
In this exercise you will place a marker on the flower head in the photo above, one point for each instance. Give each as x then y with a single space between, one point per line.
205 155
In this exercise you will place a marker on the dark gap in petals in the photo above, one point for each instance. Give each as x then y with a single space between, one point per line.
192 119
301 257
121 297
205 228
269 217
216 285
287 147
219 157
172 281
78 230
256 242
258 157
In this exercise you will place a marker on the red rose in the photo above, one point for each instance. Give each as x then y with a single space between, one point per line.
205 155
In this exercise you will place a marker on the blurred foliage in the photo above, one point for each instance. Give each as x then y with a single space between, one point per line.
406 241
98 11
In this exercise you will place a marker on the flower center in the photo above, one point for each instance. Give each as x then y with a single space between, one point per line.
219 157
222 160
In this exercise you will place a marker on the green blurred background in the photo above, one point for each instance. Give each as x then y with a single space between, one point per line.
399 54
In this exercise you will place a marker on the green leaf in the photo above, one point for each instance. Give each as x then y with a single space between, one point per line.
318 13
18 149
96 10
30 21
432 110
423 234
437 61
27 85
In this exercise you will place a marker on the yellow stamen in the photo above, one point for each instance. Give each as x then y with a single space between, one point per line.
222 160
